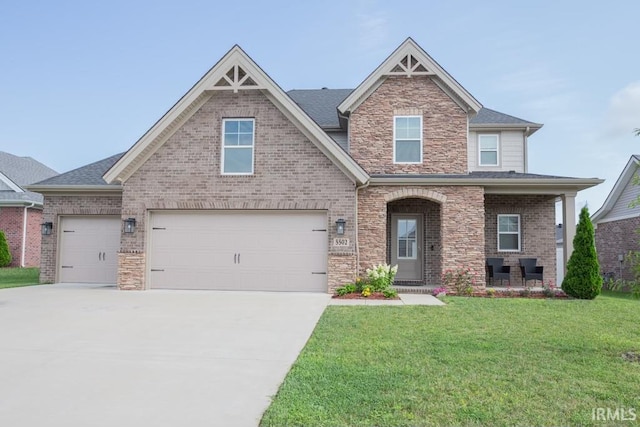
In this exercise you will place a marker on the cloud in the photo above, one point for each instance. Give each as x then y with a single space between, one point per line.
623 114
373 27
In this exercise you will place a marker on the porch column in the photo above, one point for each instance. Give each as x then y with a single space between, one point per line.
568 224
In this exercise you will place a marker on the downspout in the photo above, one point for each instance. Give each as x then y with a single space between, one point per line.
526 150
365 185
24 233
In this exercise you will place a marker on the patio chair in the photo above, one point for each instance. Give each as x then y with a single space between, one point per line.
496 270
530 270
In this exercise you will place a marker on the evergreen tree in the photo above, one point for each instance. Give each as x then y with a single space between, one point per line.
583 278
5 253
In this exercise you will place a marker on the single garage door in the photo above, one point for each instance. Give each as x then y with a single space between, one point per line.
231 250
89 248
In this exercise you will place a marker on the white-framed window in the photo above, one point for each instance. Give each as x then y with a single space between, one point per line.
488 149
237 146
509 233
407 238
407 139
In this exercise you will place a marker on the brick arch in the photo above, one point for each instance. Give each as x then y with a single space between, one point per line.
420 193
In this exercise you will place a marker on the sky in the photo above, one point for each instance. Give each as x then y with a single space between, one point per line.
83 80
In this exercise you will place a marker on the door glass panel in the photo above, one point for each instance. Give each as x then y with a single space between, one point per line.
407 238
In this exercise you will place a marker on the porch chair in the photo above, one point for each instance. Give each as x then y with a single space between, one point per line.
530 270
495 270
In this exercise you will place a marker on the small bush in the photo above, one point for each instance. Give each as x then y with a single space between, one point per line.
349 288
491 292
366 291
381 277
441 291
5 253
583 278
460 281
390 293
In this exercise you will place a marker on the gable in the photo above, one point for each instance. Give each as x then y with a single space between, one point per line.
233 73
624 191
410 60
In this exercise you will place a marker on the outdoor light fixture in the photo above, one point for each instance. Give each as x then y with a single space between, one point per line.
129 225
340 226
46 228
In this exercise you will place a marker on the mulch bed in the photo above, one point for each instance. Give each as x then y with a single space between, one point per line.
356 295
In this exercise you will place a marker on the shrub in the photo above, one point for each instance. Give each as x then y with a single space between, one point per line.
390 293
381 277
583 278
460 281
491 292
5 253
349 288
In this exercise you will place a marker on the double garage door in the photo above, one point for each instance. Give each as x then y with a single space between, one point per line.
224 250
238 250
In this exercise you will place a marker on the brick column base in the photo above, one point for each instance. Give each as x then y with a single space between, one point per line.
131 271
342 269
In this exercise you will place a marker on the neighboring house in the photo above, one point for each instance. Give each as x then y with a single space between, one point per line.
21 210
241 185
616 223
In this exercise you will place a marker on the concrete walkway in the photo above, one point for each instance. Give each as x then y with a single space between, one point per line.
82 355
405 299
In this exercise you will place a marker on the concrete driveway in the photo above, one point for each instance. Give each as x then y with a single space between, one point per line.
85 355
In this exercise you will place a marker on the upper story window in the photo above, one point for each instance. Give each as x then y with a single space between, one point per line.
407 139
488 149
237 146
509 233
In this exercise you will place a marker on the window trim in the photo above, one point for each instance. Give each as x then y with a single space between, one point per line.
497 150
518 233
395 140
224 147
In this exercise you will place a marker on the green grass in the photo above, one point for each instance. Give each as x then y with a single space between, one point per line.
476 361
14 277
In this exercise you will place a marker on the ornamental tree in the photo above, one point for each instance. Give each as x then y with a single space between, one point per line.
5 253
583 278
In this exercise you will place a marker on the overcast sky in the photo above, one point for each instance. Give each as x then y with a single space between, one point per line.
83 80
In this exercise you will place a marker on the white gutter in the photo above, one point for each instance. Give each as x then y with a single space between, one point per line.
24 233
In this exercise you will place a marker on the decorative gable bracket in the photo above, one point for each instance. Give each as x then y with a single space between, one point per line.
235 79
409 66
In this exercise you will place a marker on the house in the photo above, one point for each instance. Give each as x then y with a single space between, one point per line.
20 209
616 224
241 185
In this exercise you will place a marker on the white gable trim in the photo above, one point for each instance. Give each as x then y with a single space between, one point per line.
235 71
12 185
622 182
425 65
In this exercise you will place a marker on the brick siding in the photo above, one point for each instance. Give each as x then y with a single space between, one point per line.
537 225
617 238
289 173
444 127
12 222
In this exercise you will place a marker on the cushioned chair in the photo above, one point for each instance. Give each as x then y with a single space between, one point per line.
529 270
496 270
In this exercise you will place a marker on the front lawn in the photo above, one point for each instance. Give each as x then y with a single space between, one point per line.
476 361
14 277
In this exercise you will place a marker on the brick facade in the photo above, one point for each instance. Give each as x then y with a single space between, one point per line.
444 127
537 224
289 173
461 238
60 205
616 238
12 223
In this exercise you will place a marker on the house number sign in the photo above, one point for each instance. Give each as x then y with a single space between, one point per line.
340 241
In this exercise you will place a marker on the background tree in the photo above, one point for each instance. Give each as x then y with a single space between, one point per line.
5 254
583 278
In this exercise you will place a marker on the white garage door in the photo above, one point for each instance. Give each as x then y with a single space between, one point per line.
89 248
231 250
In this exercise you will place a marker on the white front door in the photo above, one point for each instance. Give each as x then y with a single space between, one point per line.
406 246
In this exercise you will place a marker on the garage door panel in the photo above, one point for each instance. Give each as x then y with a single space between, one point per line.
239 250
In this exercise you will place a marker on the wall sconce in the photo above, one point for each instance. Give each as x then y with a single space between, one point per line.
129 225
46 228
340 226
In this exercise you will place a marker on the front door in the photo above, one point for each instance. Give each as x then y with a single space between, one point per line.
406 246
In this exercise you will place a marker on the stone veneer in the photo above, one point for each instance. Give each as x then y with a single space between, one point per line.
537 225
462 225
342 268
289 173
444 127
616 238
57 205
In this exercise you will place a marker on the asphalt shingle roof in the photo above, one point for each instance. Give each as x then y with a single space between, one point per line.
23 170
322 106
86 175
